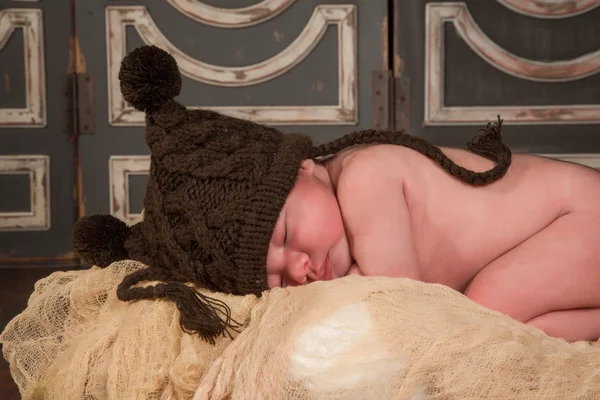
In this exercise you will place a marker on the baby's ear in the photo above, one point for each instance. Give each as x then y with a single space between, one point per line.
307 166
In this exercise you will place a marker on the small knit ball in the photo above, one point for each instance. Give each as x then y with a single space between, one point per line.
149 77
100 239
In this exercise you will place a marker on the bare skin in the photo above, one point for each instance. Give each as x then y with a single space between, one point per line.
527 245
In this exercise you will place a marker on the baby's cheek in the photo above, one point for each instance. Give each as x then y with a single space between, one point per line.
321 218
330 230
273 274
273 281
336 225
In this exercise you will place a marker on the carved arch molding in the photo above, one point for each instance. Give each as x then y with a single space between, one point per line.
342 16
30 21
36 167
437 113
231 17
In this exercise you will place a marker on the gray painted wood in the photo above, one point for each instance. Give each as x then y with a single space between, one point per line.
471 81
313 81
49 145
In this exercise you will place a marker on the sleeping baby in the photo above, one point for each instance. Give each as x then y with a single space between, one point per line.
242 208
527 245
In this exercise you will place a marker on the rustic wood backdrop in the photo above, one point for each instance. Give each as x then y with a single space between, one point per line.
71 146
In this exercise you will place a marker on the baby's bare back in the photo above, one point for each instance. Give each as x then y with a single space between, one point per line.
457 229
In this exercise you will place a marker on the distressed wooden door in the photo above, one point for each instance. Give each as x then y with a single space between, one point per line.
299 65
536 63
38 197
38 194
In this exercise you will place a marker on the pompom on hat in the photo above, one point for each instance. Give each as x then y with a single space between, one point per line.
215 190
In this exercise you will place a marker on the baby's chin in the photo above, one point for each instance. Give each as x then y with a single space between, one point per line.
340 268
341 257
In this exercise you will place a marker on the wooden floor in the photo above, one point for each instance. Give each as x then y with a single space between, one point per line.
16 285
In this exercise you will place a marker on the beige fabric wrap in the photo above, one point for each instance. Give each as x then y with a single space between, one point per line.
354 338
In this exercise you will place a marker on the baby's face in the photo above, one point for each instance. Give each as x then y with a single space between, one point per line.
309 242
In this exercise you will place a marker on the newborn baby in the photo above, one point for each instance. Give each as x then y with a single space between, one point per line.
527 246
227 197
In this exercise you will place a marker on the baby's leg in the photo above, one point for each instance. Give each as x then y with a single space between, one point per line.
557 269
571 325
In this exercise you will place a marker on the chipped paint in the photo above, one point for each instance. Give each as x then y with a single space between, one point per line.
240 75
398 66
120 167
318 86
37 167
555 71
79 178
77 61
6 83
231 17
31 23
278 35
383 32
550 8
116 204
436 113
397 61
77 64
345 112
239 55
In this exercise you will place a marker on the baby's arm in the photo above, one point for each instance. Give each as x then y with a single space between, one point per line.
377 219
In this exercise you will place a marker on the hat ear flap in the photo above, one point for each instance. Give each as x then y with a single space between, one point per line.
100 239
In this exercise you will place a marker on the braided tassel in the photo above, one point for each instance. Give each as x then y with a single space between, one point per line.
199 313
488 144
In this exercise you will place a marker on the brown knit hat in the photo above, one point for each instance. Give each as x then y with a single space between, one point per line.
216 187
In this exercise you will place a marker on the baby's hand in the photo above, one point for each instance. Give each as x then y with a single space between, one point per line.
354 270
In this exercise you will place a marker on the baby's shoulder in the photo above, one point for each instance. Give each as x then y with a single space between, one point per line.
374 156
373 163
367 168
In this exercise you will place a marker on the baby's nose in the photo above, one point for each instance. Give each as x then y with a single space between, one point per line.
298 268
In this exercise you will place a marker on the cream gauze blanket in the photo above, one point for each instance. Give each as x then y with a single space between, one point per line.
352 338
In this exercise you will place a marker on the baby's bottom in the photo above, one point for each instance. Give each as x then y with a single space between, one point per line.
551 280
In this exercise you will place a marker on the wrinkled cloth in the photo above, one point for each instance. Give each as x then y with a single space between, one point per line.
76 340
351 338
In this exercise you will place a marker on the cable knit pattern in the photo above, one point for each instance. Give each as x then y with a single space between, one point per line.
216 187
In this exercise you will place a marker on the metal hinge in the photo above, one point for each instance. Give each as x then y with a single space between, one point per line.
390 101
402 105
79 116
381 99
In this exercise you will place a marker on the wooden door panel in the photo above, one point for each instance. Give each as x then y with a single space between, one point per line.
343 110
550 8
298 65
536 64
37 167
